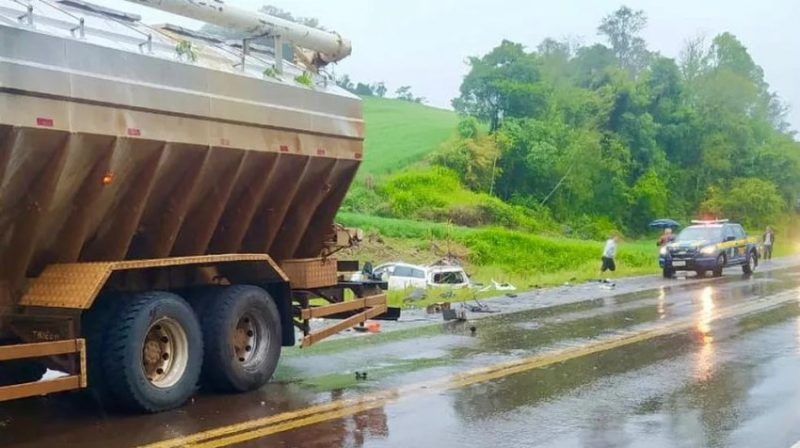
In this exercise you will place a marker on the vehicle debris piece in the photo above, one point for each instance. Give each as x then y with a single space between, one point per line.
438 307
451 314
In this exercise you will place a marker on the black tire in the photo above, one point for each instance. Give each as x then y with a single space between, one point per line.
750 263
701 273
667 272
251 313
721 260
130 328
95 331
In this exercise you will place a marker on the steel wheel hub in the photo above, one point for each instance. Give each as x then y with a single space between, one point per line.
245 338
165 353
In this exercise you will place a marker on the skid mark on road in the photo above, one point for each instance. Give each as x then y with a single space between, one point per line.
258 428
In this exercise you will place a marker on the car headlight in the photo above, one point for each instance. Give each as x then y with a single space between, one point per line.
708 250
663 250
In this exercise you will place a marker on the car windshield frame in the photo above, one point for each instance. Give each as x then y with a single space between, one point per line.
700 233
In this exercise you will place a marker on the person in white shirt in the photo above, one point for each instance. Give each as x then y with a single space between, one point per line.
768 240
609 253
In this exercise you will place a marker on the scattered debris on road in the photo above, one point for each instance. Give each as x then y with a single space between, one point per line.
437 307
498 286
451 314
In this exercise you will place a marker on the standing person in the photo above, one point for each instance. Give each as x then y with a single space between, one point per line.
665 238
609 253
768 240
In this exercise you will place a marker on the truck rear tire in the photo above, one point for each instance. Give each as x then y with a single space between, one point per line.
242 333
152 353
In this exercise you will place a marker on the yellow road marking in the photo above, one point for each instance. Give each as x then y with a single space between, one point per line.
254 429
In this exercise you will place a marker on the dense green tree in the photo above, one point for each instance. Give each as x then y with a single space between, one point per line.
503 83
621 29
751 201
620 135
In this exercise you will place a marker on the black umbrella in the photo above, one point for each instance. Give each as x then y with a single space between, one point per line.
665 224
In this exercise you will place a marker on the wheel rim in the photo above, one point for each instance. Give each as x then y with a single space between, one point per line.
165 353
752 263
251 339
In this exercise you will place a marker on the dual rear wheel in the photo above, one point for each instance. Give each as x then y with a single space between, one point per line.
148 351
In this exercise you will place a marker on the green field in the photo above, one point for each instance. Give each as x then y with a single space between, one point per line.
400 133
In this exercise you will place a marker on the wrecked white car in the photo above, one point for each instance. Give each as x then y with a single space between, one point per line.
403 275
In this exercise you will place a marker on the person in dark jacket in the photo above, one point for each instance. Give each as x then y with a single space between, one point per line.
767 241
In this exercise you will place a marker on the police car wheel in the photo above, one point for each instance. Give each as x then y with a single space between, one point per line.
750 264
720 264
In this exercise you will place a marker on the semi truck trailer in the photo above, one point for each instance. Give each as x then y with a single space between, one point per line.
167 199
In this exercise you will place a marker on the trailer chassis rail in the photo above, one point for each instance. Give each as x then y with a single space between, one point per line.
75 347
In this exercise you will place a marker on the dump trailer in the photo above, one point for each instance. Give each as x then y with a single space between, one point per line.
167 200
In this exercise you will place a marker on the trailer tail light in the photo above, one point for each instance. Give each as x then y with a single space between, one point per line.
134 132
320 151
284 148
45 122
108 178
358 156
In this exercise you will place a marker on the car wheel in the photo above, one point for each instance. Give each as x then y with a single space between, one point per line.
701 273
750 264
721 260
668 273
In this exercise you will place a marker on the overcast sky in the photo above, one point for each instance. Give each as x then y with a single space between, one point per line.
424 43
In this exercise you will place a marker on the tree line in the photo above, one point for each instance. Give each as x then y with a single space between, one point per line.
617 132
378 89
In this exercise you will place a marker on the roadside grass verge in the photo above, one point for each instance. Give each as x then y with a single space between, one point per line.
524 260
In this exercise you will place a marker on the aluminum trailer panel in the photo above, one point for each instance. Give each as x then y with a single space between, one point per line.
110 150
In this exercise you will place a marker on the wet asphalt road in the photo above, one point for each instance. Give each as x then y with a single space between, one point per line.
725 372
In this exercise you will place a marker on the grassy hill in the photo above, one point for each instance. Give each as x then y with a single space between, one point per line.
400 133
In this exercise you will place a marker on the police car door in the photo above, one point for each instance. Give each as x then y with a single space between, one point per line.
729 241
741 242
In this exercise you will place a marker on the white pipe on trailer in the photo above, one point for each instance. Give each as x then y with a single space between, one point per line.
330 46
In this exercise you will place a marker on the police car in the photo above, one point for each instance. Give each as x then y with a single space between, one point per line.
709 246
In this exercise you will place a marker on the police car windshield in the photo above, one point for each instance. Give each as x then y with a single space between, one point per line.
701 233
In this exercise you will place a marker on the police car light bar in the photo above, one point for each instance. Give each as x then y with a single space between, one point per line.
709 221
